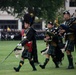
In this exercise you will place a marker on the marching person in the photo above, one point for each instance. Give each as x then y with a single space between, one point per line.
70 37
29 42
52 49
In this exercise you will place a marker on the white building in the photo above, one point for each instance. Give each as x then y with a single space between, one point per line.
70 5
7 20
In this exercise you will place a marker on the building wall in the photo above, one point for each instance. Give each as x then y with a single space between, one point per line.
5 16
67 7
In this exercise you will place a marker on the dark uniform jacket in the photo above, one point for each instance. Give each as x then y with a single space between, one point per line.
70 34
31 36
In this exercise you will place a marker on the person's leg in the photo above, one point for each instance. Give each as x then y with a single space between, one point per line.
31 61
19 66
32 64
70 60
69 49
24 53
54 59
45 62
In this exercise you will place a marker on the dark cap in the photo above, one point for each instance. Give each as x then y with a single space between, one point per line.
64 26
66 12
29 18
51 23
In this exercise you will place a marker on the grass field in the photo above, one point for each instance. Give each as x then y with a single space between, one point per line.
6 68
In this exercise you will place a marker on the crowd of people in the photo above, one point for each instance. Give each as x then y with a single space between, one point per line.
53 39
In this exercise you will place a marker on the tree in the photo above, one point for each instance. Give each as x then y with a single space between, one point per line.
41 8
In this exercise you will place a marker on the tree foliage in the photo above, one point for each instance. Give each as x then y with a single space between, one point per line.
41 8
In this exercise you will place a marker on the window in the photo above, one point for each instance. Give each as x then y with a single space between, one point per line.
12 24
72 3
37 26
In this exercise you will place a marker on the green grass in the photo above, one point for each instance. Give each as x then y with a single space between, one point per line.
6 68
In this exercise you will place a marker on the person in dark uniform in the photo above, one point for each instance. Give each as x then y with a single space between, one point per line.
53 49
29 43
34 48
70 37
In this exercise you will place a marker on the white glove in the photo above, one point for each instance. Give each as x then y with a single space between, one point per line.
19 45
24 37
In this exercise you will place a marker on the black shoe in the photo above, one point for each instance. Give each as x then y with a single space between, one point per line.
16 69
70 67
57 67
42 66
34 69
